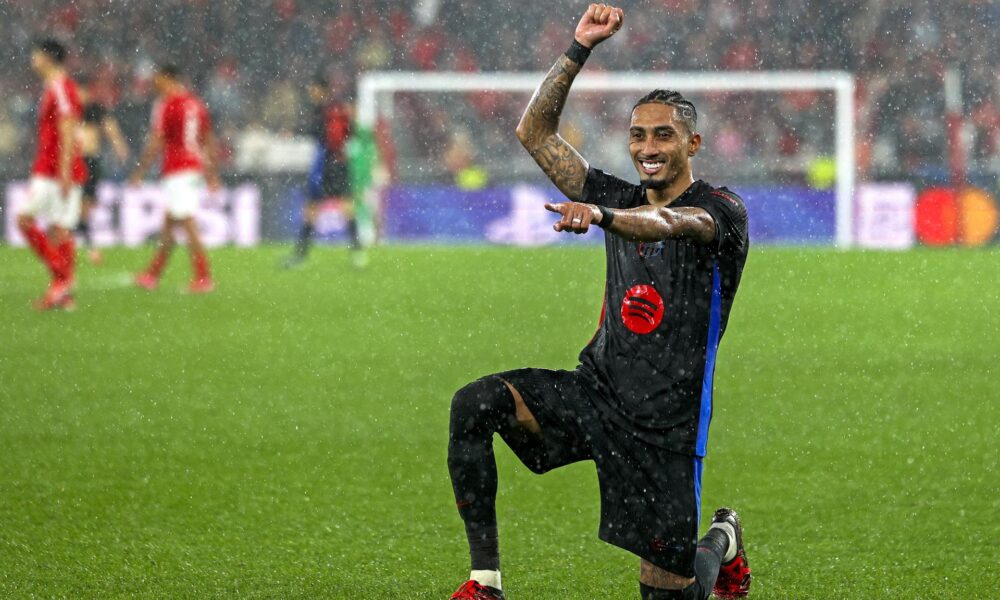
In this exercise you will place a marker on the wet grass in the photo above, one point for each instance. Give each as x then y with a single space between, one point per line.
285 437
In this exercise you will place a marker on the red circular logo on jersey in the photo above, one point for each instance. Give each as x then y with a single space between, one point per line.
642 309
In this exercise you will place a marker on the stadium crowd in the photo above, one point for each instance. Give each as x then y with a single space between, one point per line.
251 60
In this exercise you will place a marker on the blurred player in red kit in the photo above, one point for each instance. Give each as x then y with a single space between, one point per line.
182 132
56 177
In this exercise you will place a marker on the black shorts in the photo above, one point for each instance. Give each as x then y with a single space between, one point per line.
93 176
330 180
650 497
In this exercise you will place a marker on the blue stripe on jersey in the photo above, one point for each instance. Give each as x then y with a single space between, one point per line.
314 182
698 469
714 329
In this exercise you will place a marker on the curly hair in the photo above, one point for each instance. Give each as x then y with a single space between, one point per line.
685 110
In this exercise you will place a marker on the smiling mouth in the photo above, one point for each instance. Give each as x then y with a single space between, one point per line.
650 167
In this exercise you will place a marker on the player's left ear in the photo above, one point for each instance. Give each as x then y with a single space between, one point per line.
694 144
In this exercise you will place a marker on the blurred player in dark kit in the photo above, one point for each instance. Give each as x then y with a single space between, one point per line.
97 126
329 177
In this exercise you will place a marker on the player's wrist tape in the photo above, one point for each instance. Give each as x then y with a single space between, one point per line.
607 217
578 53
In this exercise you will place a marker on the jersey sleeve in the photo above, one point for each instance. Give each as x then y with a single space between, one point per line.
604 189
730 216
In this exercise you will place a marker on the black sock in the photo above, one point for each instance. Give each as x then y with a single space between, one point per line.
83 228
707 561
484 546
711 549
478 410
352 228
305 239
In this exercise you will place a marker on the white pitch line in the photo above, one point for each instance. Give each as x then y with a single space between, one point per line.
102 283
111 281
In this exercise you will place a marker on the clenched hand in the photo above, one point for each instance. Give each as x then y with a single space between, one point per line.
598 24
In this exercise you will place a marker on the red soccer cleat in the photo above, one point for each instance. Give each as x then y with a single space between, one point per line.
147 281
201 285
57 294
734 576
473 590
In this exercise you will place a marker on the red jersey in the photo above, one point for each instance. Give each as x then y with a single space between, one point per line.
336 130
60 99
183 121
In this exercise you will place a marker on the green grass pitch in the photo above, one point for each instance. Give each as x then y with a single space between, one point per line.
285 437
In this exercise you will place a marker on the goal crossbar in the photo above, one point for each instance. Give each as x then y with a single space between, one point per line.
372 85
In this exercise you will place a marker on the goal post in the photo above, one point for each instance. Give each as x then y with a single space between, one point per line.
375 91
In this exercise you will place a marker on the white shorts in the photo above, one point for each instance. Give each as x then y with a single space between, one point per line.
47 202
183 193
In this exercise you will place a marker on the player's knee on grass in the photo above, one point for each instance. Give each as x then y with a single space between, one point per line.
656 583
691 592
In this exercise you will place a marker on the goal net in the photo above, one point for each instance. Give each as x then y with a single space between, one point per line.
783 140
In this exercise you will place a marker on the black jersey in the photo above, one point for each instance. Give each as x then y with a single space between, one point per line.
318 125
332 127
94 113
665 309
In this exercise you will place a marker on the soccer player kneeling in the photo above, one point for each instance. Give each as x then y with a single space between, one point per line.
640 402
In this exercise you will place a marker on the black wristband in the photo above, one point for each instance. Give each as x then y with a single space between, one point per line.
607 217
578 53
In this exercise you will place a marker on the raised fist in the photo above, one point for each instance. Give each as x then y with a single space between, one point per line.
598 24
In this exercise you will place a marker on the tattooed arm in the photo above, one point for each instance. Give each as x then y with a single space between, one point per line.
641 224
538 130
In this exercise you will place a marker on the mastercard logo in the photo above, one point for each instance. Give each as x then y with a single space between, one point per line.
945 217
642 309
